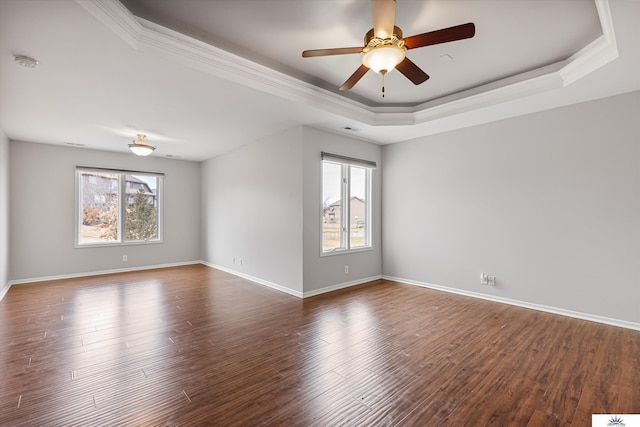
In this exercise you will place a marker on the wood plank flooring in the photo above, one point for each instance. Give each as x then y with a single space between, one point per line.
196 346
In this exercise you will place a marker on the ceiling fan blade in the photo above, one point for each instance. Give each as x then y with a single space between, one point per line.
327 52
384 15
459 32
412 71
355 77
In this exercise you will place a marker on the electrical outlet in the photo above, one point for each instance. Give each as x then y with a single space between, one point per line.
484 279
346 269
491 280
125 258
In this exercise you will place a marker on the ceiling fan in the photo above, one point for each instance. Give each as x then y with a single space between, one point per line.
384 48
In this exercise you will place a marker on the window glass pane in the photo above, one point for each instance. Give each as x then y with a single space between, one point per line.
331 206
98 207
358 221
346 207
141 207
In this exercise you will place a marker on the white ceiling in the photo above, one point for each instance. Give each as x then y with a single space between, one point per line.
204 77
528 34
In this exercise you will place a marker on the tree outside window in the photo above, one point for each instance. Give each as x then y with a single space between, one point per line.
118 208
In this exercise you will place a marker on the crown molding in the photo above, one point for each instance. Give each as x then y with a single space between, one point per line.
116 17
145 35
597 54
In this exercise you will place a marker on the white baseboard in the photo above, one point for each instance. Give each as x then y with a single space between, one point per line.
95 273
4 290
555 310
524 304
256 280
218 267
289 290
340 286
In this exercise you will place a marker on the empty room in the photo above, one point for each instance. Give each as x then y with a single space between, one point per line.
319 212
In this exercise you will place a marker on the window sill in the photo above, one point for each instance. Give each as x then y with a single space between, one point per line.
346 251
110 245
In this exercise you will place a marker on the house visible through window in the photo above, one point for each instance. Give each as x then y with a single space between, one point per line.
346 203
116 207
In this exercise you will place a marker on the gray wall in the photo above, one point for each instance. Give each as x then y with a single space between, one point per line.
549 203
262 203
4 212
42 183
252 210
322 272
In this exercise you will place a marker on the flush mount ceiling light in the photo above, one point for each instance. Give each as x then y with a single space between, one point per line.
139 146
26 61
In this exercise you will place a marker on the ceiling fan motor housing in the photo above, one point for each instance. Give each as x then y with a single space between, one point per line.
371 41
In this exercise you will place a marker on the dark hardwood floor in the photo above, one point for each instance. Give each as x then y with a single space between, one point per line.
196 346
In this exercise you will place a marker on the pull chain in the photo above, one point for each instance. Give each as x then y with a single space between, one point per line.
383 72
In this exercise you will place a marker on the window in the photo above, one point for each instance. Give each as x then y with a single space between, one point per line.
346 203
117 207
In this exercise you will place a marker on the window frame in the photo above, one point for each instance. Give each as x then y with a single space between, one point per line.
346 164
122 206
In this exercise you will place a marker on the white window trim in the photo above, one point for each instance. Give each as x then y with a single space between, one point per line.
345 163
121 203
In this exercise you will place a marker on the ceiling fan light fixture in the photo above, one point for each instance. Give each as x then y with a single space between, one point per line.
384 46
139 146
383 58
